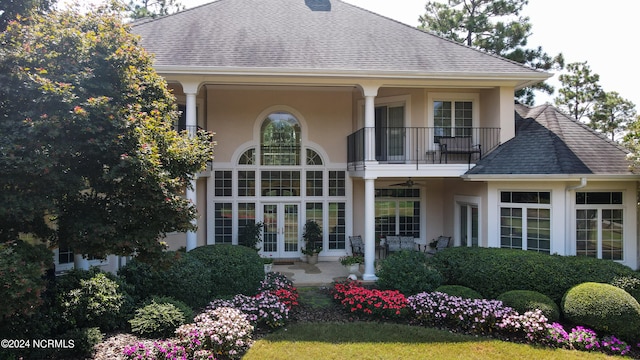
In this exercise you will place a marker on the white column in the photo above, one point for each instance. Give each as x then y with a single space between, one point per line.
80 262
192 236
369 230
370 93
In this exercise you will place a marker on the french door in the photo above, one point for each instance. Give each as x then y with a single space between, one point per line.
469 224
390 133
281 231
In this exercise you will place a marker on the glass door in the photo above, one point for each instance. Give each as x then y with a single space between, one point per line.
469 224
281 231
390 133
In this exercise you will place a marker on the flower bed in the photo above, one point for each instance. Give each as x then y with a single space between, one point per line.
383 304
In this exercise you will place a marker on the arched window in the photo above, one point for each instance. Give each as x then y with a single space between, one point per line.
280 140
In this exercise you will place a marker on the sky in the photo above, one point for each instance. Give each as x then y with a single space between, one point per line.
604 34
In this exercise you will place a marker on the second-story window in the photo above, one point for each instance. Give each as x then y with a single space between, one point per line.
280 140
453 118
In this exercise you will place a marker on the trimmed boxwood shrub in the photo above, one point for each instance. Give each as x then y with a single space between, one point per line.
604 308
184 308
629 284
408 272
527 300
157 320
493 271
213 271
459 291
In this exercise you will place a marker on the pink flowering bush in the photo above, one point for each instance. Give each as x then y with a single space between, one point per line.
531 327
557 336
222 331
581 338
382 304
614 346
474 316
280 286
264 310
161 350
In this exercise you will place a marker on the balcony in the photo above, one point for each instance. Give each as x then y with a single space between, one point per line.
416 145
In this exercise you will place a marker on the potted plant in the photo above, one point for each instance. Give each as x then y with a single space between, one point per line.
268 264
352 262
312 236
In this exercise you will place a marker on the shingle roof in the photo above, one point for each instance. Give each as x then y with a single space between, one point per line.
290 34
549 142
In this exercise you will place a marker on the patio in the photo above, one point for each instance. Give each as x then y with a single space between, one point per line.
324 273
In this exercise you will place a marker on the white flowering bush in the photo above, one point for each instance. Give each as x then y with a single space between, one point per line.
532 326
223 331
264 310
474 316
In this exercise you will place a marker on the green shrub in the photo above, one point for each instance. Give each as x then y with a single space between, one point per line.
459 290
493 271
407 271
92 298
84 339
21 282
213 271
147 279
157 320
527 300
604 308
629 284
184 308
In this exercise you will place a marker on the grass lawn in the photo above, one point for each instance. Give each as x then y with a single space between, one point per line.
369 340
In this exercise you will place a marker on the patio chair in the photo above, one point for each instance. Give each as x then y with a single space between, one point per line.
442 243
392 242
357 245
407 243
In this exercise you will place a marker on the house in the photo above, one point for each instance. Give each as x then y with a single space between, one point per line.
324 111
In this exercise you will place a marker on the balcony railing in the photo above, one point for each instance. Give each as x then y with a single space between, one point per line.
419 145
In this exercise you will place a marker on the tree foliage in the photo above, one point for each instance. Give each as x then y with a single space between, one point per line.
139 9
12 9
579 92
495 27
89 156
611 114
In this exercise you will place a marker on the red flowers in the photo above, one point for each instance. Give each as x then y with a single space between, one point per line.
385 304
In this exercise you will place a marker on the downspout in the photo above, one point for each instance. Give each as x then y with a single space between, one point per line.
568 246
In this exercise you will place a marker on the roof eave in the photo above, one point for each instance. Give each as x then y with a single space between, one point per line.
519 79
549 177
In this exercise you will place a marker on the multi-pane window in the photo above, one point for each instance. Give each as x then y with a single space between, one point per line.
337 227
248 157
396 216
246 183
336 183
525 220
223 224
314 183
280 183
223 183
600 225
246 215
280 140
313 158
453 118
314 212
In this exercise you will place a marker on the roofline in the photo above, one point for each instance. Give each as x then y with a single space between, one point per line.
522 79
549 177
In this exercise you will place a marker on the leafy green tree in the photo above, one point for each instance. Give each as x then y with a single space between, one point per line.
494 26
611 114
11 9
139 9
579 92
632 142
89 156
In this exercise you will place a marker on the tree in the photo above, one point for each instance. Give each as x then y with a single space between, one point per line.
611 114
495 27
10 10
139 9
89 157
579 92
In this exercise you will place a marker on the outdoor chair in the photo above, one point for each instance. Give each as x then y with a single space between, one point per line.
407 243
392 243
441 243
357 245
458 145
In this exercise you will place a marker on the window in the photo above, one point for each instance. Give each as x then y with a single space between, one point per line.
223 223
248 157
246 183
314 183
313 158
525 220
337 227
280 183
336 183
599 225
223 183
280 140
397 216
246 215
453 118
